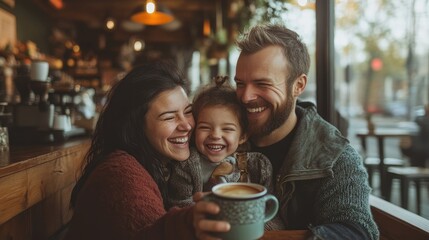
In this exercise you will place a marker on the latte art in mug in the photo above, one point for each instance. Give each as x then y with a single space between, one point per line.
245 206
237 191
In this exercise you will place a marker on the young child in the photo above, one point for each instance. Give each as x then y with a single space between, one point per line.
221 124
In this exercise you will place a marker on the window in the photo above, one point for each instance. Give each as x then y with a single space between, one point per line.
381 71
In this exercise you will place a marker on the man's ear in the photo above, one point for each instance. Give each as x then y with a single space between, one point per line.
299 85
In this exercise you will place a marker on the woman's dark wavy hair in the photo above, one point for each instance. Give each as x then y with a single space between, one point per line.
121 122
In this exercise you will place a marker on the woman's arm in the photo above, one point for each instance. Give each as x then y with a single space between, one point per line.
120 200
187 223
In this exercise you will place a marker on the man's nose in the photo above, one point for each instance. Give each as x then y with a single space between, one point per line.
247 94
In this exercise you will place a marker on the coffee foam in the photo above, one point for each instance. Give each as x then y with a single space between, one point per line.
237 191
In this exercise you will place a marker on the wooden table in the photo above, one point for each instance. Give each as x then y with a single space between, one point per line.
380 134
286 235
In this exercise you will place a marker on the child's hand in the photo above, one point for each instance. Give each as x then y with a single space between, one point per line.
224 168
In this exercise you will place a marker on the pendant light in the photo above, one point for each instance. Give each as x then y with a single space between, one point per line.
152 14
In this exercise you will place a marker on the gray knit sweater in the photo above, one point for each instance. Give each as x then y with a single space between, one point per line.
186 177
322 183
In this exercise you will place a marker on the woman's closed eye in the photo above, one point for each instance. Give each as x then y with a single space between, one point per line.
188 110
168 118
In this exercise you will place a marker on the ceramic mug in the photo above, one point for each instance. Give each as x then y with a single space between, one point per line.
39 71
62 122
4 139
246 206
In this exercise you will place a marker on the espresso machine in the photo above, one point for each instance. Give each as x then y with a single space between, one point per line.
36 118
35 113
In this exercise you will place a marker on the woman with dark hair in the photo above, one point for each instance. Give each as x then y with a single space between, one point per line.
145 125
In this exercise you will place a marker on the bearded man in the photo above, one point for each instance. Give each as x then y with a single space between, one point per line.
319 177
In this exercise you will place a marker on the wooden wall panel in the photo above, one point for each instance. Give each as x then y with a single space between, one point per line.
18 228
48 178
13 195
66 211
46 217
34 201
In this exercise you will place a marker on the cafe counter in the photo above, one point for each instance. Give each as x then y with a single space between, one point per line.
35 187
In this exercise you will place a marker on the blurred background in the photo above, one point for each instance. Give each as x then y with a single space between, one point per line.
378 61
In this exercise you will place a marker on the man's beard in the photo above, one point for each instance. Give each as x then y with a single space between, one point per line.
275 120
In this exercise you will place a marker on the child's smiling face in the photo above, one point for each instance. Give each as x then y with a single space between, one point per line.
218 132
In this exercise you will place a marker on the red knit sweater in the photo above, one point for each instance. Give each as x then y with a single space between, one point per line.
120 200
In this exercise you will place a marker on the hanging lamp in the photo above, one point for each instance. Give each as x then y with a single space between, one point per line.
152 14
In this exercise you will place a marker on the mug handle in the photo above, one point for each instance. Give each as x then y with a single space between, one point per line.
272 211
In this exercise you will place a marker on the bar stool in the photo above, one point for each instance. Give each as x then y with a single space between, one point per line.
405 175
372 164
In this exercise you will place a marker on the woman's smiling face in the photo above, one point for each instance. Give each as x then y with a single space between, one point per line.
169 123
